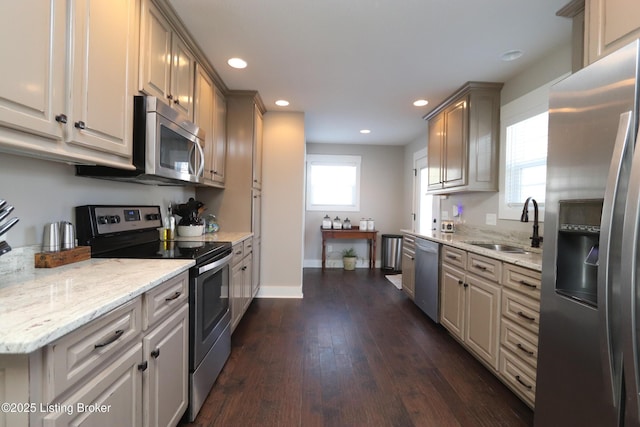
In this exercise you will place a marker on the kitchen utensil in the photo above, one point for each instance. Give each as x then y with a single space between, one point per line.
7 225
4 212
51 237
2 203
67 235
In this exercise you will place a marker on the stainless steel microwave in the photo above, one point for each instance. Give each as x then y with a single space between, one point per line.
167 148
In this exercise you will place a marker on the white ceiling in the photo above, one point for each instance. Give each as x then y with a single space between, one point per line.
355 64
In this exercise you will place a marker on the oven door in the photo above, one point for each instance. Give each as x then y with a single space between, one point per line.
209 303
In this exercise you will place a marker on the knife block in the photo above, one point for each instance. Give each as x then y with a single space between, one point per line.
68 256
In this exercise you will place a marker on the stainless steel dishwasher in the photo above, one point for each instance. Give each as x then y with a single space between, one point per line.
427 295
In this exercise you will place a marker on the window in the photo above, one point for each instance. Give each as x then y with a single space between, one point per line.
523 156
333 183
526 160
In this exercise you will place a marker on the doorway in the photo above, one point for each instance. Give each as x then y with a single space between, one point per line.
426 207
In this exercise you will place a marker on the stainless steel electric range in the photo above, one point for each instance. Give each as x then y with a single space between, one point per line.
130 231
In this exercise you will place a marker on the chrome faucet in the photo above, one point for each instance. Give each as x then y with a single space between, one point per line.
536 238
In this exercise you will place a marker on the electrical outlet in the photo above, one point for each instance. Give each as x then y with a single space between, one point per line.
491 219
455 210
445 215
329 248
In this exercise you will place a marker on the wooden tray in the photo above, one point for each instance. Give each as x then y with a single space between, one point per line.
56 259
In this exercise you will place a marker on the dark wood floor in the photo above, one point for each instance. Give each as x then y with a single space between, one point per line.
354 352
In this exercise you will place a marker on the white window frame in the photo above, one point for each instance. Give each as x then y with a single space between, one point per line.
333 160
527 106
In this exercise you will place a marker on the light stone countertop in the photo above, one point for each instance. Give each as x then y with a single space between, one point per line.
531 260
38 306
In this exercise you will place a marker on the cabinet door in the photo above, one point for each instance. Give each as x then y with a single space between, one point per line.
452 300
166 392
102 68
155 49
247 278
255 272
482 319
434 152
203 117
115 390
611 24
33 68
220 137
408 273
182 75
235 293
257 149
455 146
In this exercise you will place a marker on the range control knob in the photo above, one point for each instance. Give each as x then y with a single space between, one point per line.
114 219
103 220
153 217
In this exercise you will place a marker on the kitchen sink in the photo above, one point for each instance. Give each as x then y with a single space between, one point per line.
501 248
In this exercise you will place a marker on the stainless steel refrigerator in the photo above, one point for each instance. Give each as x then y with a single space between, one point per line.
587 372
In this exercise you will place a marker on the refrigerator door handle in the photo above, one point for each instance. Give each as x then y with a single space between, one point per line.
613 205
630 294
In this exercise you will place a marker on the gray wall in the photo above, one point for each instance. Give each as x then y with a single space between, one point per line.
382 178
44 191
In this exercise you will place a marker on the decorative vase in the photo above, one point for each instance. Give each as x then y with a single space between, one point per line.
349 262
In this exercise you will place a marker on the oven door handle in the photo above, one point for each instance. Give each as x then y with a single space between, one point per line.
215 264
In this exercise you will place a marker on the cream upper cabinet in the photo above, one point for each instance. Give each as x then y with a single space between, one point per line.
610 24
210 115
103 75
220 137
257 148
72 103
166 63
31 88
464 140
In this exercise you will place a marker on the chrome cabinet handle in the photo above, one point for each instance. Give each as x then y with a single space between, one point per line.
525 283
80 125
155 353
61 118
523 349
143 366
117 334
169 96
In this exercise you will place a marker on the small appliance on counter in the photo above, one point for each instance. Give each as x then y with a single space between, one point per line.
447 226
4 227
190 224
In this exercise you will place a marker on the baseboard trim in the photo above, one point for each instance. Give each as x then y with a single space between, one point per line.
280 292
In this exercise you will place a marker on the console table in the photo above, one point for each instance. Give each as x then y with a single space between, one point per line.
353 234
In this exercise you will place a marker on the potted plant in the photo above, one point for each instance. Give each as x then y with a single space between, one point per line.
349 258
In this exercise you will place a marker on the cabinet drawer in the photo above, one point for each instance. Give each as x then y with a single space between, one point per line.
522 310
482 266
164 299
409 241
454 256
247 246
81 352
238 253
521 342
520 376
522 280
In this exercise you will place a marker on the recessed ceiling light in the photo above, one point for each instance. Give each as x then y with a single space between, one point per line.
420 102
282 103
365 131
237 63
511 55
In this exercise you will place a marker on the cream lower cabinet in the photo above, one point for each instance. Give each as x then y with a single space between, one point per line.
470 303
409 265
127 367
519 330
241 280
72 104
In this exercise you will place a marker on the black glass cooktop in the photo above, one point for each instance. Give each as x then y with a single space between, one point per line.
199 251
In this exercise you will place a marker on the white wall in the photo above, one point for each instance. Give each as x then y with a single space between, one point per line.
283 169
44 191
381 198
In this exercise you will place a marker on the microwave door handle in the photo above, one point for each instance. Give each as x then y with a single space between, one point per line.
613 207
201 166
